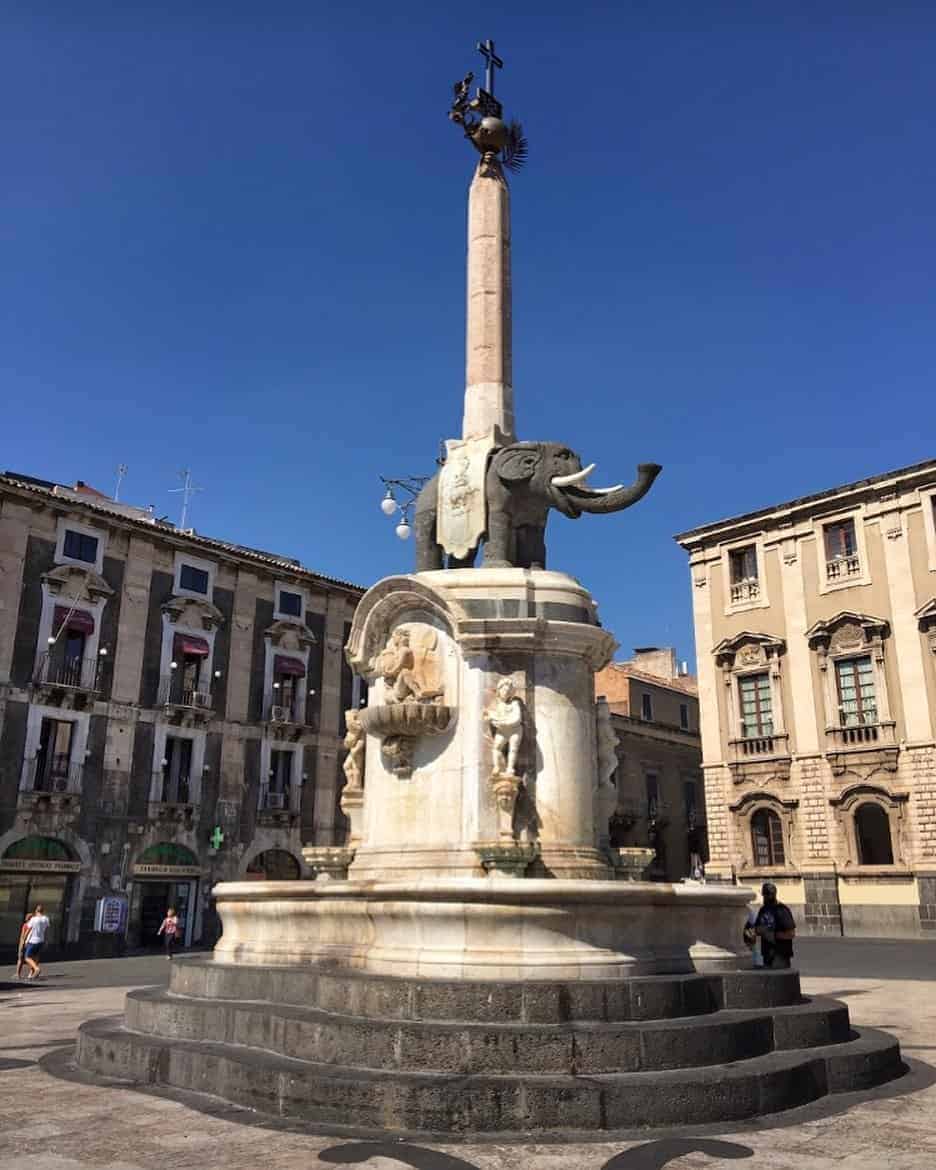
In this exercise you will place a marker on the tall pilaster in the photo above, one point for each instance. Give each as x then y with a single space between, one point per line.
489 365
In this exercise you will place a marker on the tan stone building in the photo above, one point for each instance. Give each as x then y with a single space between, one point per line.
171 712
815 627
661 797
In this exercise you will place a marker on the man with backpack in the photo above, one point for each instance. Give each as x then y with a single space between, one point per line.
776 929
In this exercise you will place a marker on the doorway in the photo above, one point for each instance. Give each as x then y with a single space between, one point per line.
20 893
148 905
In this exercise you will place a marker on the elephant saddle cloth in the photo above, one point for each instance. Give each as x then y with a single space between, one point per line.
461 512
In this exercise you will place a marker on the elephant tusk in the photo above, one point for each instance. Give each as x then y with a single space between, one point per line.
605 491
575 477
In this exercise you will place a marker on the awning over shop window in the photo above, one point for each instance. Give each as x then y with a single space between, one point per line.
190 644
73 619
293 667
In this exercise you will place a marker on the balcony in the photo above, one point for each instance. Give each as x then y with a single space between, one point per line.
52 786
67 679
760 756
184 703
277 808
744 591
174 803
284 720
841 568
869 740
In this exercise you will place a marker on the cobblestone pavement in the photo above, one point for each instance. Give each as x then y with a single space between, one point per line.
51 1122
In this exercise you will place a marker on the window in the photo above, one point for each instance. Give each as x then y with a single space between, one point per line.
754 697
646 706
767 838
854 679
653 796
79 546
872 833
742 564
192 579
53 758
690 798
280 770
841 549
274 865
684 716
290 603
176 771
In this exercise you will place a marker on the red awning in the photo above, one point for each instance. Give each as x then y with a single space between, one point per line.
294 667
190 644
78 620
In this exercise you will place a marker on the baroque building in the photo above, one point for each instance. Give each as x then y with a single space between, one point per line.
171 713
815 625
654 711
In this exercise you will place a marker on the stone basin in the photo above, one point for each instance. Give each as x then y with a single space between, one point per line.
408 719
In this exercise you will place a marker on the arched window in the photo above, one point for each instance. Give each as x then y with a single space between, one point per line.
274 865
872 832
767 838
168 853
38 849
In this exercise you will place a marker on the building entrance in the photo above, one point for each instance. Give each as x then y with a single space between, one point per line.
35 870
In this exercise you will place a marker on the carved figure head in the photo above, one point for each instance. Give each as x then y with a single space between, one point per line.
506 690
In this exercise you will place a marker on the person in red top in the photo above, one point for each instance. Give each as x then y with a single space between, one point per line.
170 932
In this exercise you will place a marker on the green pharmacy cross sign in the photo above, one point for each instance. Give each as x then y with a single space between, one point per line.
216 838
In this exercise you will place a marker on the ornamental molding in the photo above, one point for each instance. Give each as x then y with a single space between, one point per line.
74 580
748 649
192 611
847 631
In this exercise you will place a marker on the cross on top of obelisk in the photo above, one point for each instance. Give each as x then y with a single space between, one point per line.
492 62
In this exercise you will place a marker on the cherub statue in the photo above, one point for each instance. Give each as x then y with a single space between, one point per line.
506 719
354 741
405 678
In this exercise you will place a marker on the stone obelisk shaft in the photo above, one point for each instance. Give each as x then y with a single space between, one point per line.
489 373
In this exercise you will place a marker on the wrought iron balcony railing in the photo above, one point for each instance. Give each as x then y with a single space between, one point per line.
78 674
275 800
171 790
173 693
53 774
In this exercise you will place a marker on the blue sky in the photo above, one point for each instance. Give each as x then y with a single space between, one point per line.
233 239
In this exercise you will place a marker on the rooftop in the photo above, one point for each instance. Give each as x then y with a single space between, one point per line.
85 498
861 484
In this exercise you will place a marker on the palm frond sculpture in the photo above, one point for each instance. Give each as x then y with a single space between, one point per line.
514 152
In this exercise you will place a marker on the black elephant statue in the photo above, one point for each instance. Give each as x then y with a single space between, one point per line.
522 482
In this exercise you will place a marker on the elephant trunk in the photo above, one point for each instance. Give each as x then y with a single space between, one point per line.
598 502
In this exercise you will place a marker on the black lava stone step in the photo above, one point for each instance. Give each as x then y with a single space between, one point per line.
423 1104
655 997
579 1048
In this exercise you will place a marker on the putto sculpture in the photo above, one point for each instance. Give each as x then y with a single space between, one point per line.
506 719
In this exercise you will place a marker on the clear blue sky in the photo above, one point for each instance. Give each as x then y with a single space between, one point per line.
233 239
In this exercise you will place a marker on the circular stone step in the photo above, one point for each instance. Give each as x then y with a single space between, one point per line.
387 997
428 1105
591 1048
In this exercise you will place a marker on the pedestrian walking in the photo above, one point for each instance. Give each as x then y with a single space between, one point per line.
170 931
751 939
776 928
20 959
38 924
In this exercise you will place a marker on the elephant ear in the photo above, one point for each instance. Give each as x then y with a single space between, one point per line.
517 463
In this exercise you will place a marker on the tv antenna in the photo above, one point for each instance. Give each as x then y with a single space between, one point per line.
122 470
188 490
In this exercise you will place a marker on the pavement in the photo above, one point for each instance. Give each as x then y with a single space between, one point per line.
52 1119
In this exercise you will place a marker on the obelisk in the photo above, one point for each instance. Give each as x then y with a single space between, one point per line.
489 358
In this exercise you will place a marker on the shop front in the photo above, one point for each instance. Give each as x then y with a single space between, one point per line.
165 875
34 871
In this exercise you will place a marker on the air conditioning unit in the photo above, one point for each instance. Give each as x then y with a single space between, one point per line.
201 698
280 715
276 800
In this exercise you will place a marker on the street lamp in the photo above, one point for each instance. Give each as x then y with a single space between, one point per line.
412 485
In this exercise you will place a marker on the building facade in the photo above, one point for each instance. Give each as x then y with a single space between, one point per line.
815 627
661 797
171 713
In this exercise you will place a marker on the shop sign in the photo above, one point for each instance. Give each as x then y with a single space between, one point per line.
26 865
166 870
110 915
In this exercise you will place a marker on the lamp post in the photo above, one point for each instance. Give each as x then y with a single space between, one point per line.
410 487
